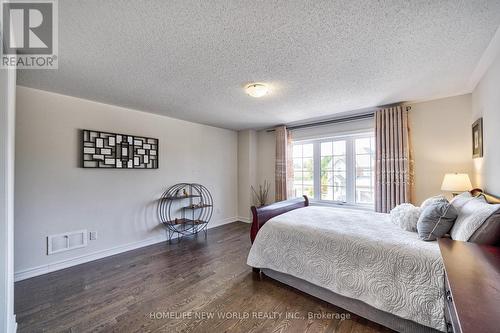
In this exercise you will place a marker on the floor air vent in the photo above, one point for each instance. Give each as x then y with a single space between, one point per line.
66 241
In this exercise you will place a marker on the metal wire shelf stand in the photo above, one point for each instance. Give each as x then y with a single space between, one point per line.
185 209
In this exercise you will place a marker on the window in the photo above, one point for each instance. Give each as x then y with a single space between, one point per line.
303 171
365 172
339 169
333 170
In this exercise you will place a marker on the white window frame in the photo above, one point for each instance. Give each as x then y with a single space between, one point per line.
302 161
350 168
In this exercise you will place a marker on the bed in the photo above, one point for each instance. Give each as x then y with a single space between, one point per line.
358 260
355 259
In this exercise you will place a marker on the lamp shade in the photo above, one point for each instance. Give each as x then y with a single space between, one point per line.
456 182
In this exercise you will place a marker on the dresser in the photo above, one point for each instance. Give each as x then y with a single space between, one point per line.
472 286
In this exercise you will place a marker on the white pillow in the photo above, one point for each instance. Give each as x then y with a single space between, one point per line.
429 201
460 200
406 216
472 212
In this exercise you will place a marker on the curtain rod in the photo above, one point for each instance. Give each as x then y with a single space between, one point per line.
334 121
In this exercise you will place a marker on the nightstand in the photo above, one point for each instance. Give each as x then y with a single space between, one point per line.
472 286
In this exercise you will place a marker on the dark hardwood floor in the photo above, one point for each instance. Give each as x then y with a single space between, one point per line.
175 288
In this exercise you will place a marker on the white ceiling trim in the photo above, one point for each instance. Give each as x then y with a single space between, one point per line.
485 62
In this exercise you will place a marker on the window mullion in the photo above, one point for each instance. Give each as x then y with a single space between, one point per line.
351 172
317 170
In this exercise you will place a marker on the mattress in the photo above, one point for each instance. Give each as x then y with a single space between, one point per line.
357 254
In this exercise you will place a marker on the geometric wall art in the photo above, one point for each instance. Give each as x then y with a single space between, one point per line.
118 151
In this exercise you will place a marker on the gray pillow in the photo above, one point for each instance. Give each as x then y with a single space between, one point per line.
436 220
429 201
489 232
461 200
471 216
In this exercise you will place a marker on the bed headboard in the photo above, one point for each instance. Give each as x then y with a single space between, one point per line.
263 214
489 197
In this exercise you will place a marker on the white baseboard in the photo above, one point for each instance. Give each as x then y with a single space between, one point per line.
13 324
244 219
58 265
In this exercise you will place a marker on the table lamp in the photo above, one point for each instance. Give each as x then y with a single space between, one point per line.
456 183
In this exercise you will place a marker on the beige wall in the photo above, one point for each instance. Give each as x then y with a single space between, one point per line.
486 104
247 172
256 151
54 195
441 140
266 156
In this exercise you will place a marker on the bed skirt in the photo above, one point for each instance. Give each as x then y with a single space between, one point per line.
352 305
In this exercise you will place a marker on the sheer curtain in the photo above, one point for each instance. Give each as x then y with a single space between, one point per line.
393 162
284 164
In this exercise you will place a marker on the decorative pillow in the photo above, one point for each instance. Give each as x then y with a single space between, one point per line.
471 216
405 216
489 232
436 220
460 200
429 201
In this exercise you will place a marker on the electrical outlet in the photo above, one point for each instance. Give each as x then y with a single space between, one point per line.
93 235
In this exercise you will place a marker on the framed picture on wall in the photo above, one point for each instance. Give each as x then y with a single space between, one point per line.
477 138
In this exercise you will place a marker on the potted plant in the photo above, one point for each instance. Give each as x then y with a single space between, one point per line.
261 196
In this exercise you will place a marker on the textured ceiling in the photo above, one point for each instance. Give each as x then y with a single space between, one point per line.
191 59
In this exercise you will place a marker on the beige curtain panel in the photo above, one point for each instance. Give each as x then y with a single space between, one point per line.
393 163
284 164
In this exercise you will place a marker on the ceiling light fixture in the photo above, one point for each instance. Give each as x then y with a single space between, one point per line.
257 89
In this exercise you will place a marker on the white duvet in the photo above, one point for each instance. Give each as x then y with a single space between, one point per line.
358 254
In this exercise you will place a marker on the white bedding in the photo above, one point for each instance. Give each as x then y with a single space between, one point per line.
357 254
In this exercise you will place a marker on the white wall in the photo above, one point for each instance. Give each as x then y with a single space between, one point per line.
486 104
441 140
7 129
247 172
54 195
